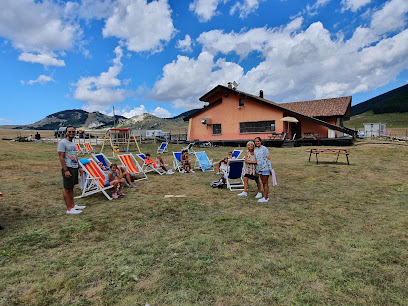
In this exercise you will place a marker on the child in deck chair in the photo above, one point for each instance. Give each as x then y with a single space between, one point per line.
160 162
222 163
125 174
185 162
116 179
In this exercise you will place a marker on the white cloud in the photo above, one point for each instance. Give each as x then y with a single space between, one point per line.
244 8
37 27
185 45
204 9
4 120
392 16
42 79
44 59
102 90
185 79
161 112
294 64
353 5
143 26
89 9
129 113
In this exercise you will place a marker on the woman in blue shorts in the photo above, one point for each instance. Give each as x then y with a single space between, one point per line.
264 167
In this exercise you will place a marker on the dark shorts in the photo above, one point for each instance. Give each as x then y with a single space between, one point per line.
252 177
69 183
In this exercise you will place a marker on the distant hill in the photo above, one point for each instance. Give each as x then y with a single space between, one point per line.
394 101
75 117
150 122
83 119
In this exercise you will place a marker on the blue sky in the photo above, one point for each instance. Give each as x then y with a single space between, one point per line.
160 56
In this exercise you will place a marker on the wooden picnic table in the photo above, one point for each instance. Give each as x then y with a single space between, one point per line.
337 151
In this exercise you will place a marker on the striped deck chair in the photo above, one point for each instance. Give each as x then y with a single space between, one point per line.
177 161
233 174
162 148
150 167
130 163
79 149
236 153
95 178
202 162
88 147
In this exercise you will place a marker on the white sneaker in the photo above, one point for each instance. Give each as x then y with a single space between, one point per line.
263 200
79 207
258 195
192 171
242 194
73 211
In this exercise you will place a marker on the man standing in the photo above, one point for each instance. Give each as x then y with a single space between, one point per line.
69 162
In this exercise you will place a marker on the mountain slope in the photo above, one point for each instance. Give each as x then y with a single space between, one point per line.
392 101
75 117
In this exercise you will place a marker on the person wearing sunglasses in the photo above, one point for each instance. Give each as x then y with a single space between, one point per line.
69 167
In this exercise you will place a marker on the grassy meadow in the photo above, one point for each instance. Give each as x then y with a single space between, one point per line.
331 234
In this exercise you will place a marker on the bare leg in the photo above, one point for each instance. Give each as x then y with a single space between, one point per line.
264 179
259 185
69 198
245 184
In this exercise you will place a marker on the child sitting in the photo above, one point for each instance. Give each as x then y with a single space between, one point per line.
115 179
185 162
160 162
124 173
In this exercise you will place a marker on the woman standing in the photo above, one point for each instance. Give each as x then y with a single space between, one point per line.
250 171
263 167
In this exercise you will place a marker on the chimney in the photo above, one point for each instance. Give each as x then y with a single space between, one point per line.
229 85
261 94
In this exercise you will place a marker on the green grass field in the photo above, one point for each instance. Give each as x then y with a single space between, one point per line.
397 121
331 234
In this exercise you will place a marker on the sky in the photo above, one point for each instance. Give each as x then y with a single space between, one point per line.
161 56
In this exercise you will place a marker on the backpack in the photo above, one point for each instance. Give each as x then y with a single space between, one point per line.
218 184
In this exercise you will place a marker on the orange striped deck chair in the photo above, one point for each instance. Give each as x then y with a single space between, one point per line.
130 163
94 178
79 149
88 147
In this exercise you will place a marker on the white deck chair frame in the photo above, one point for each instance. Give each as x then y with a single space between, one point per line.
236 153
149 168
235 183
189 148
197 164
176 162
92 185
136 165
162 149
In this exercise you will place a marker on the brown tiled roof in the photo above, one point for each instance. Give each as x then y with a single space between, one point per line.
320 108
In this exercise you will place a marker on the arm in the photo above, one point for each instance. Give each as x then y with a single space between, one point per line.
61 156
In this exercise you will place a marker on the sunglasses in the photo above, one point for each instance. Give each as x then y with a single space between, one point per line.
71 132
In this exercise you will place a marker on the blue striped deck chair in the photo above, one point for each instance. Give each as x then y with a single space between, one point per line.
236 153
162 148
234 174
177 161
202 162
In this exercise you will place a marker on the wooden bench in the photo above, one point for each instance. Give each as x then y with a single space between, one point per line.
337 151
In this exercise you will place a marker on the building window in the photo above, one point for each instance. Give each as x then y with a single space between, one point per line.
257 127
241 102
216 129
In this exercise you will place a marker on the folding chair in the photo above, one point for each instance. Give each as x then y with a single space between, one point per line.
162 148
202 162
189 148
79 149
148 167
95 179
100 157
177 161
236 153
130 163
88 147
234 174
